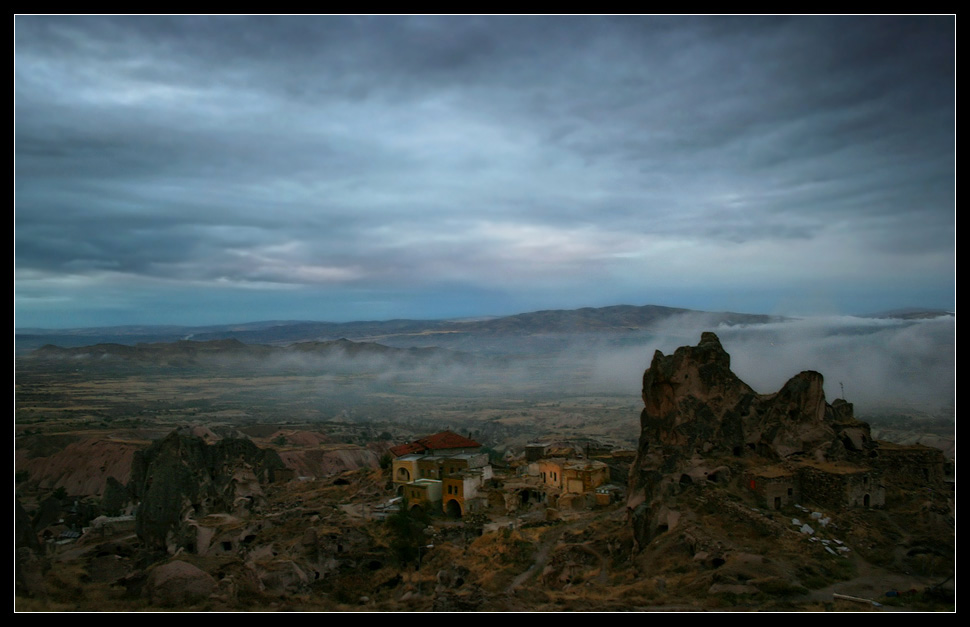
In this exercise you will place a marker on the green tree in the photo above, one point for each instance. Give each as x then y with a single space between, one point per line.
407 532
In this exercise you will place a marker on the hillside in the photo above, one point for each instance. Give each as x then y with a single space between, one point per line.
619 319
736 500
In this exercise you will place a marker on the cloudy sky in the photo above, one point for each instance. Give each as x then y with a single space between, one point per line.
229 169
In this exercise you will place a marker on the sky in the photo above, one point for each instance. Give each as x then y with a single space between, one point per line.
206 170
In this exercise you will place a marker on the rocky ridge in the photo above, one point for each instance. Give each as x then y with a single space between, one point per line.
182 479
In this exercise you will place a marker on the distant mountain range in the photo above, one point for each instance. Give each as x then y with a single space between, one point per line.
618 319
910 313
537 330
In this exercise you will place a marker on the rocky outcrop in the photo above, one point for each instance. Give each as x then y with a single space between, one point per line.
694 403
697 411
181 479
178 584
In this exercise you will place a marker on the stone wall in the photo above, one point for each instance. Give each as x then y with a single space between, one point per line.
841 488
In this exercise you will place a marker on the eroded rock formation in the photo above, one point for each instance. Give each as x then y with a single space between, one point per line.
701 422
181 479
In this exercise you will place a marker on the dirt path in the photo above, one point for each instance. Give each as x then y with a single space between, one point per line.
549 541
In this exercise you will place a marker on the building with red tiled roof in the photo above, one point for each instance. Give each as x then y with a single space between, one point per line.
420 469
444 443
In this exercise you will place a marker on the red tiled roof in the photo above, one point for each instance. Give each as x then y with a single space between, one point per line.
438 441
404 449
447 439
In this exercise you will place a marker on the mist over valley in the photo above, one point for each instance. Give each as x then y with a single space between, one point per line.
331 312
881 363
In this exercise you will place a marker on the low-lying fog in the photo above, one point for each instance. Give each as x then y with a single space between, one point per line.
883 364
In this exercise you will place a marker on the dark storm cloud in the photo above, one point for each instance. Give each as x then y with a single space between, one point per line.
532 155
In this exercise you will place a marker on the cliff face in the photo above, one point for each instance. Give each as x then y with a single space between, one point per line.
181 479
697 410
692 400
